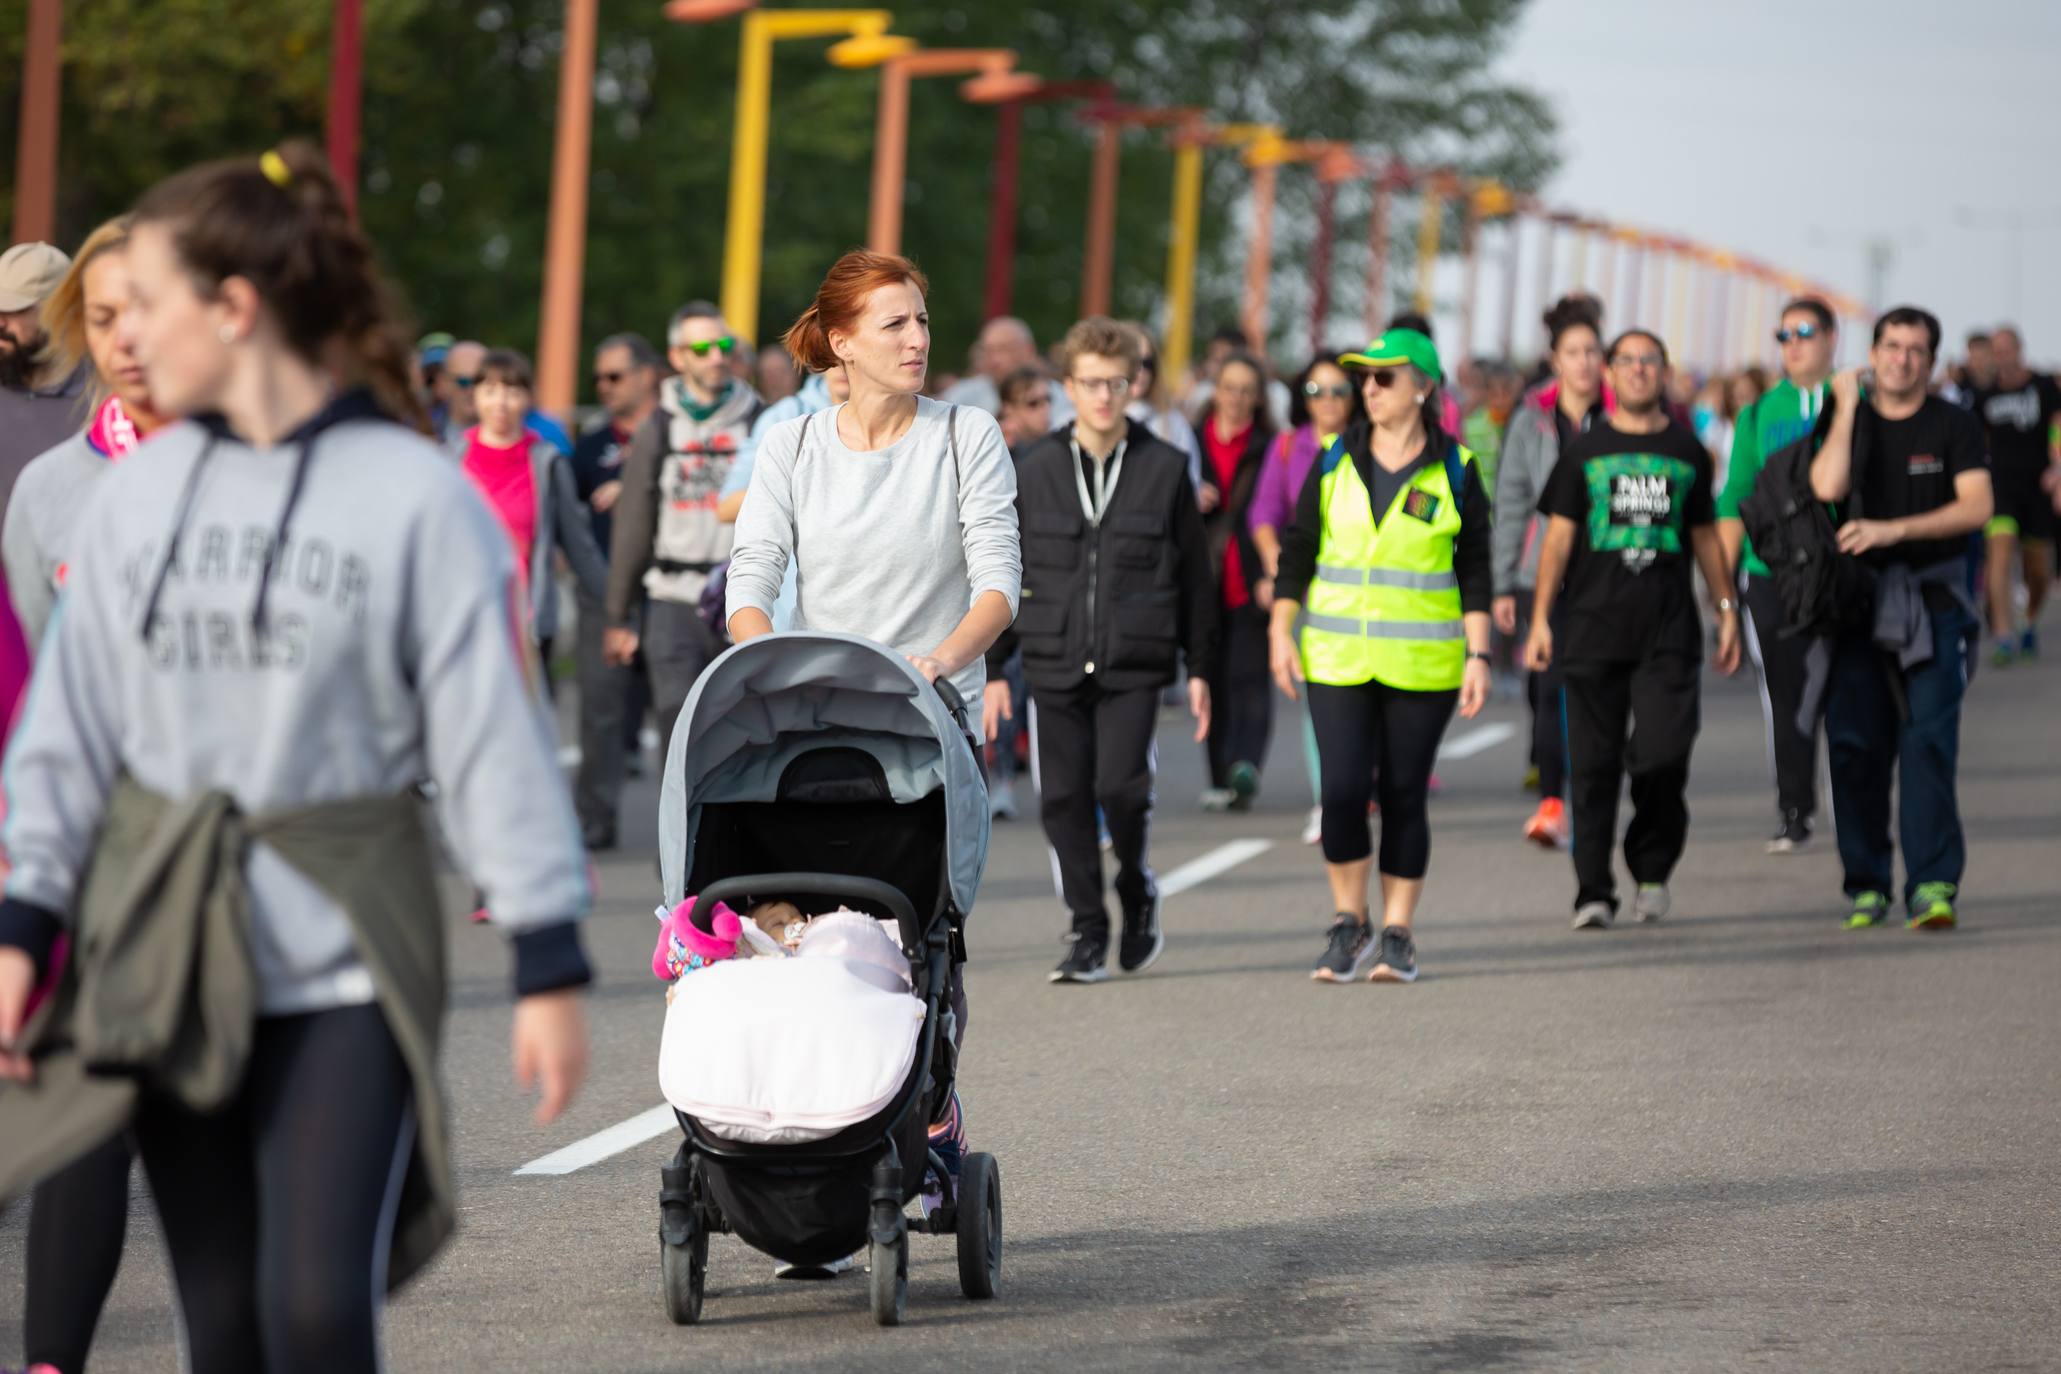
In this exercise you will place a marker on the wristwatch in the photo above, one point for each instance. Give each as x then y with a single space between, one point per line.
1477 653
1725 603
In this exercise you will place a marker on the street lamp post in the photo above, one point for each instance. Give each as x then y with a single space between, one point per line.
867 43
565 240
35 160
891 127
1000 286
1189 140
1098 261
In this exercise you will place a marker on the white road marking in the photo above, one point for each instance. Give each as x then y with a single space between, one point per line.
1474 741
622 1136
627 1135
1222 859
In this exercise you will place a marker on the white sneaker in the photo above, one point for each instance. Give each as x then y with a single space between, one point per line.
1002 800
831 1270
1652 903
1594 916
1217 798
1313 828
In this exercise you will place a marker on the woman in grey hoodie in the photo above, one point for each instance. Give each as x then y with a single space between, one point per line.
294 606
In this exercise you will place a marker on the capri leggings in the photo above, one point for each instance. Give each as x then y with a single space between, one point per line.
278 1210
1378 742
76 1227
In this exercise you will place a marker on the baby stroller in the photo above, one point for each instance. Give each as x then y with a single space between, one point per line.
822 769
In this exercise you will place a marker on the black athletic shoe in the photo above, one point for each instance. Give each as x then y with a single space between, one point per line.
1142 939
1793 836
1346 951
1087 961
1398 961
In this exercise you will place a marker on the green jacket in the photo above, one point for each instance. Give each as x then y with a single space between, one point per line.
1784 415
160 995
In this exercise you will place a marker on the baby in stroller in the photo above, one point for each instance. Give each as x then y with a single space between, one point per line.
820 793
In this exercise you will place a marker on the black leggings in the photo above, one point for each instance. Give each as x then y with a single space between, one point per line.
279 1209
1368 727
76 1227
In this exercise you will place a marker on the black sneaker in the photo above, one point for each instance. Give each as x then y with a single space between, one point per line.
1142 938
1793 836
1087 961
1346 952
1398 961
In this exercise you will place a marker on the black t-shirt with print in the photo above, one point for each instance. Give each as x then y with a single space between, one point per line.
1908 467
2017 422
1633 499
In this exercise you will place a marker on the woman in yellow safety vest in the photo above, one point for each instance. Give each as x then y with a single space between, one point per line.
1387 565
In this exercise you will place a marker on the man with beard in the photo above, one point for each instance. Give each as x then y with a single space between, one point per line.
1629 506
38 408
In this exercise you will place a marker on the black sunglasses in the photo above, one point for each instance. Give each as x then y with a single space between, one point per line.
1385 377
464 383
1802 331
608 378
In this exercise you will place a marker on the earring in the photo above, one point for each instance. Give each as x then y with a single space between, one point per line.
1420 398
227 333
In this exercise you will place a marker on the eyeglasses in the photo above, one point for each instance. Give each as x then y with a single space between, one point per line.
1337 391
1385 377
464 383
609 378
1104 386
1648 360
700 350
1801 332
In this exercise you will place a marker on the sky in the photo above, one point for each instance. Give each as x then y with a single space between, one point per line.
1793 130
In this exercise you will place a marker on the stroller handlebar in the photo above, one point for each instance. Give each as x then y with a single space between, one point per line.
955 700
891 898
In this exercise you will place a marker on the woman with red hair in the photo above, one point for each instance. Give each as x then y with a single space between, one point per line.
898 512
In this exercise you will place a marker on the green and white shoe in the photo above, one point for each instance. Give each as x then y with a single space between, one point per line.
1870 909
1932 907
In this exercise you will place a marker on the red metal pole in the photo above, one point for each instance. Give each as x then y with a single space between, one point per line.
346 96
1002 207
1259 255
1320 262
565 242
35 158
1377 259
1100 260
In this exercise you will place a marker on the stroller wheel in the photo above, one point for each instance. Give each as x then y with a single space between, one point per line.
685 1271
889 1259
682 1242
980 1226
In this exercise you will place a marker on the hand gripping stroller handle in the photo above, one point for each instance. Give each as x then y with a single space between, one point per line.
890 898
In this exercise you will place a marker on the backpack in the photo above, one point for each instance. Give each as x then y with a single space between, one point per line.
1822 590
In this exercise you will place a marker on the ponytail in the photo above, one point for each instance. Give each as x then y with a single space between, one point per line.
279 221
808 342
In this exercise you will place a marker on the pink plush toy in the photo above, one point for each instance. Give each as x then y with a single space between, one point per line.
684 946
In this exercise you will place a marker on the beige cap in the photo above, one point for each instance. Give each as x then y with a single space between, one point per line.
29 272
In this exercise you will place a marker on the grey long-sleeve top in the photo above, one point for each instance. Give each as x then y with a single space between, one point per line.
894 545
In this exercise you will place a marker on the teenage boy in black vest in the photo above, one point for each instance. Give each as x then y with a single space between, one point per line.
1116 577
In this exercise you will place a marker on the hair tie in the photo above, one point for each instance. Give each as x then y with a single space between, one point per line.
275 169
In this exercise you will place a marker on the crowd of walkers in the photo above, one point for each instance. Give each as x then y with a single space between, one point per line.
279 578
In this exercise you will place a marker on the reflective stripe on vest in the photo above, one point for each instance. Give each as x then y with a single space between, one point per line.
1384 604
1389 577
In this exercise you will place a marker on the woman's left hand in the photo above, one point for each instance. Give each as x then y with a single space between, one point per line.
930 666
1474 689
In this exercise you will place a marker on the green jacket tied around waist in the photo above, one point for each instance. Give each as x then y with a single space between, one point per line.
160 997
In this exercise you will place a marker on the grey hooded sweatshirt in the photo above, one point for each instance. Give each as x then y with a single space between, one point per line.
1531 449
381 650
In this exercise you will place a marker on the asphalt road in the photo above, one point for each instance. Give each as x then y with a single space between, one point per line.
1742 1138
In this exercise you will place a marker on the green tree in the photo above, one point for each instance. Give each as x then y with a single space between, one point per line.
461 98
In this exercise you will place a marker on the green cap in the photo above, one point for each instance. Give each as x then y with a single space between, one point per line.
1396 347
